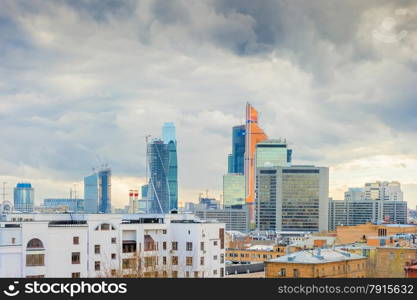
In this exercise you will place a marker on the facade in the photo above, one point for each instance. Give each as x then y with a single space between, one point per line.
383 190
256 253
104 245
162 191
236 160
351 213
273 153
320 263
254 134
24 197
97 192
72 205
292 198
208 203
233 190
355 194
236 219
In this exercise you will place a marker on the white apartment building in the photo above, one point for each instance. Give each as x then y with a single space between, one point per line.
110 245
383 190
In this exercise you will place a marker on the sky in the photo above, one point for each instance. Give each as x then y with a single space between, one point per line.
83 82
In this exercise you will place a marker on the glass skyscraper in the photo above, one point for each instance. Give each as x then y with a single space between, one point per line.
273 153
234 190
24 197
237 158
97 192
163 170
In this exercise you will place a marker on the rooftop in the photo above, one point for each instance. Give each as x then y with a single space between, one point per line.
317 257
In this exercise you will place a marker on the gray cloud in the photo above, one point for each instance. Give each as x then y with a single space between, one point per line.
89 79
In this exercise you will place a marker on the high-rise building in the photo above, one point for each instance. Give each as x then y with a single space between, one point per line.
383 190
162 191
233 190
24 197
168 133
253 135
69 204
355 194
97 192
292 198
237 158
352 213
273 153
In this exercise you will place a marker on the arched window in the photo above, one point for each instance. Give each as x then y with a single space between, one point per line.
35 244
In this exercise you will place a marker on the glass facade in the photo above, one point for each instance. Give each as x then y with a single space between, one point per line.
238 150
163 168
272 153
168 132
233 190
73 205
24 197
97 192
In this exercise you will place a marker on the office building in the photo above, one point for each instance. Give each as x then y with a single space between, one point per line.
65 204
292 198
168 133
97 192
236 219
273 153
208 203
254 134
236 160
103 245
233 190
24 197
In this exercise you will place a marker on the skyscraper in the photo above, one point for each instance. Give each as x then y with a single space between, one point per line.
292 198
237 163
233 190
162 192
273 153
24 197
97 192
253 135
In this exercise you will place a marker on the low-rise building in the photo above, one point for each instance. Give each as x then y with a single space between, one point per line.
255 253
110 245
319 263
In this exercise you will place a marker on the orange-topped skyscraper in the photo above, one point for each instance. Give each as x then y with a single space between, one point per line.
254 135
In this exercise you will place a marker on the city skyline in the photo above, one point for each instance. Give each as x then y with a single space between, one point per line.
61 114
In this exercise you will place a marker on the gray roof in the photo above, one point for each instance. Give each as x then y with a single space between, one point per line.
317 256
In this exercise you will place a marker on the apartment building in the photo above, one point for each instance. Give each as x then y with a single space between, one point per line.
110 245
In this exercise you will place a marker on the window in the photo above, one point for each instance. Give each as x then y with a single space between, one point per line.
75 240
215 257
221 237
196 274
202 246
189 261
75 258
128 263
113 272
283 272
97 265
187 274
150 261
174 245
174 260
113 256
222 258
202 260
13 241
189 246
296 273
164 245
215 243
164 260
105 226
164 231
34 260
214 272
222 272
97 249
174 274
113 240
35 244
76 275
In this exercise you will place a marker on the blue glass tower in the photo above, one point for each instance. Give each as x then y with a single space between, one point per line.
163 170
237 160
97 192
24 197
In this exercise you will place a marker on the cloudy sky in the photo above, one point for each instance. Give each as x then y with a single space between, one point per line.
83 82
